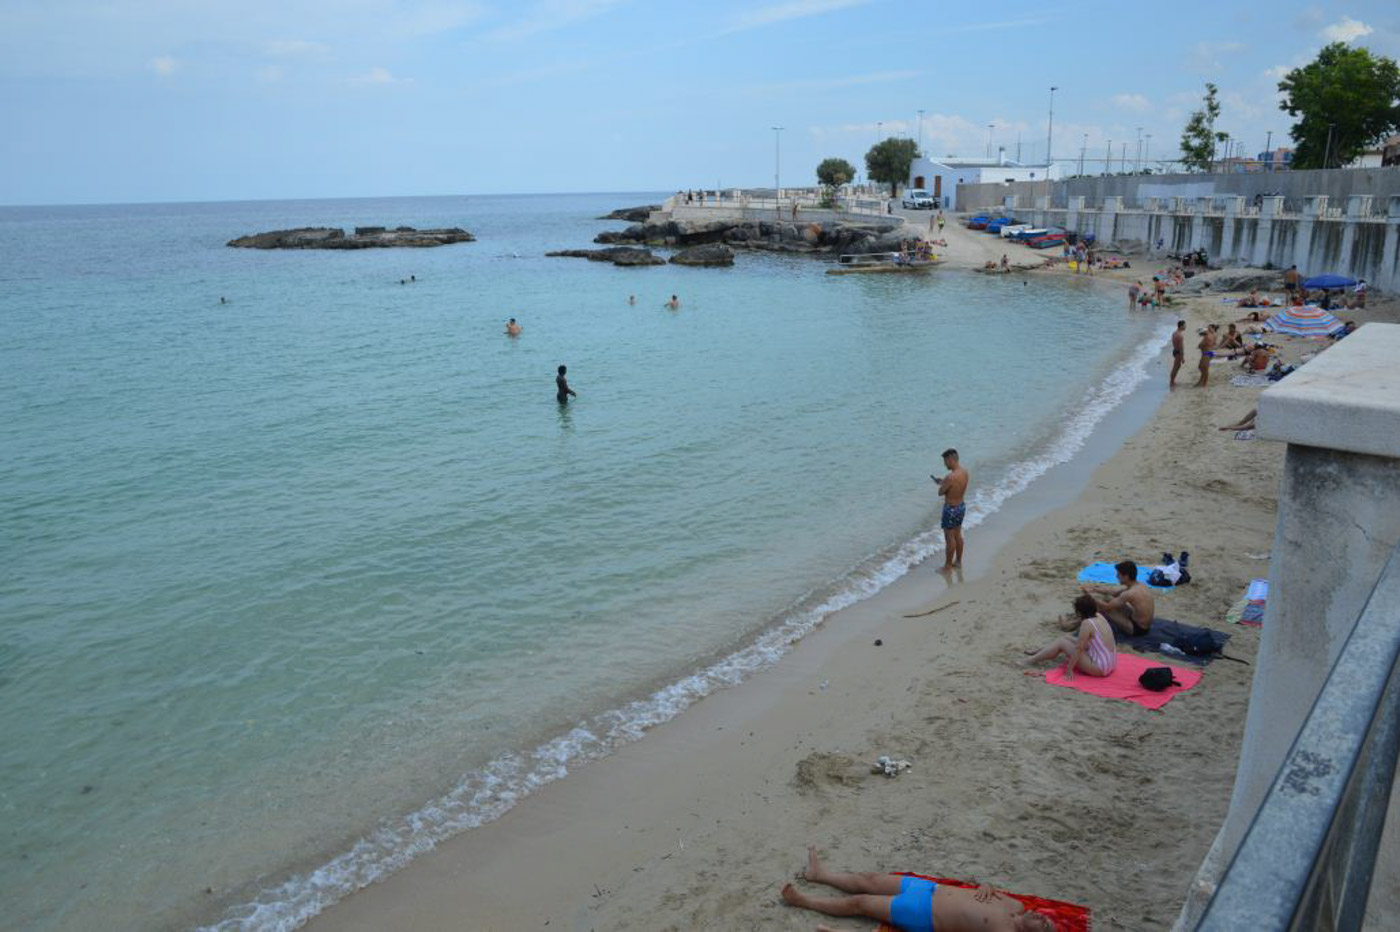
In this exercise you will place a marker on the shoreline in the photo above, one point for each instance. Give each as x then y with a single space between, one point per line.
719 755
380 903
373 859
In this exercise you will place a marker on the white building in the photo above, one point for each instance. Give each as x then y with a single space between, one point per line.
941 177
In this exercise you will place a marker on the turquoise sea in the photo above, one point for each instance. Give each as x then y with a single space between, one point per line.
298 585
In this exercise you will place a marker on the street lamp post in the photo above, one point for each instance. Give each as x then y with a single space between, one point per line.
777 167
1327 153
1137 159
1269 150
1082 147
989 139
1108 159
1148 157
921 131
1049 146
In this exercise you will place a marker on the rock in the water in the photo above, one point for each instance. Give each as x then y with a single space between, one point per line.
709 254
776 236
632 214
617 255
363 238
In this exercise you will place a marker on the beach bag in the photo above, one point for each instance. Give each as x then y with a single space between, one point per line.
1157 679
1196 644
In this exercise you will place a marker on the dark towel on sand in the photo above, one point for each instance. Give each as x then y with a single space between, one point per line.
1166 631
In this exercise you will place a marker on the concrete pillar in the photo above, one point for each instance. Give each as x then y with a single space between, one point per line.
1388 275
1008 203
1269 210
1358 206
1234 206
1042 202
1074 206
1339 519
1314 207
1105 231
1198 223
1154 203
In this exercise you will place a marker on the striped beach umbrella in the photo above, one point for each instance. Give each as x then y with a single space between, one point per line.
1308 321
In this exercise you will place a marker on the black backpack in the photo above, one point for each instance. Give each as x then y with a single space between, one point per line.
1197 643
1157 678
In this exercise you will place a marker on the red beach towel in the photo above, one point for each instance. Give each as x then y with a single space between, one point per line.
1068 917
1123 683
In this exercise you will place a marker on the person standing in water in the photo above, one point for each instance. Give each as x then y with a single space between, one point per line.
562 389
512 328
674 303
953 488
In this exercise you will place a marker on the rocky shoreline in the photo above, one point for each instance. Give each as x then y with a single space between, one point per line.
362 238
632 214
711 254
832 238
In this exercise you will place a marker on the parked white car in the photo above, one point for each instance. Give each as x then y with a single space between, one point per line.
918 199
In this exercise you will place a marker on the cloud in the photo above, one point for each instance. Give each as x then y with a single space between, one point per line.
1210 56
1004 24
295 48
826 84
164 65
1276 73
549 15
1346 29
793 9
1134 102
379 76
269 74
435 16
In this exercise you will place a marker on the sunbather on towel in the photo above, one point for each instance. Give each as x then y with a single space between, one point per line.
913 904
1131 609
1092 650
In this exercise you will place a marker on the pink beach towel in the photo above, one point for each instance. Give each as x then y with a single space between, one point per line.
1123 683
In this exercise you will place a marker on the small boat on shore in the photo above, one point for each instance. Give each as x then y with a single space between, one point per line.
874 263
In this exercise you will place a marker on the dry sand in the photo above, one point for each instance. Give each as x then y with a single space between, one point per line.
1040 789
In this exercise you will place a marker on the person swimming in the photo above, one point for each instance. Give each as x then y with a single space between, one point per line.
674 304
512 328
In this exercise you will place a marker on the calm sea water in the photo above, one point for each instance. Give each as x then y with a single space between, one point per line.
296 586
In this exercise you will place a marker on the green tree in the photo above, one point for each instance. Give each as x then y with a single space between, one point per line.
832 173
1348 91
889 162
1199 138
835 172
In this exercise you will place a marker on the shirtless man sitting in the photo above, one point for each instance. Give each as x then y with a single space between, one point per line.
1130 609
912 904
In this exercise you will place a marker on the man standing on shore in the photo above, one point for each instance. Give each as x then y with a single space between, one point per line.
1290 280
561 387
1134 290
953 487
1178 351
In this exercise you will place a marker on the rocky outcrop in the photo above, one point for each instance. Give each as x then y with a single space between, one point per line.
1244 279
362 238
711 254
617 255
632 214
773 235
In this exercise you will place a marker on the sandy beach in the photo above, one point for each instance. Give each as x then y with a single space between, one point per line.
1015 782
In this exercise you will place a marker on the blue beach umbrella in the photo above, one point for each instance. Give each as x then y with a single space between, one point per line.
1328 282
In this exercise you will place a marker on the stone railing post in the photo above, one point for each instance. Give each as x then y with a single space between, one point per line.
1269 210
1105 229
1358 206
1198 223
1338 521
1074 206
1388 273
1234 206
1314 207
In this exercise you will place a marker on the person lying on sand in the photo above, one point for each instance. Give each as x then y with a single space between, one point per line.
1244 423
1254 317
1131 609
912 904
1251 300
1092 651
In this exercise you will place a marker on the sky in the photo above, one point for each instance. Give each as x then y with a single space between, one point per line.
122 101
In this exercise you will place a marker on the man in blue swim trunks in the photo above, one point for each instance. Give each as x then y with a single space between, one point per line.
952 487
912 904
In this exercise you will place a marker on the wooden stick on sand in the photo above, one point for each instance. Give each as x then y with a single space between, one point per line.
932 610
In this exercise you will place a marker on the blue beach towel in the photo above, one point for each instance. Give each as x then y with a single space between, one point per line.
1105 573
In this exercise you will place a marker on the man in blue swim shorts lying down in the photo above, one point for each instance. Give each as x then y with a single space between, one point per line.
913 904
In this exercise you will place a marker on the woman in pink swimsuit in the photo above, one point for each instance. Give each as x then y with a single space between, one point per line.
1091 651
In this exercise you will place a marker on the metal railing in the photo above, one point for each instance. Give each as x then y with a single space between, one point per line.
1307 860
